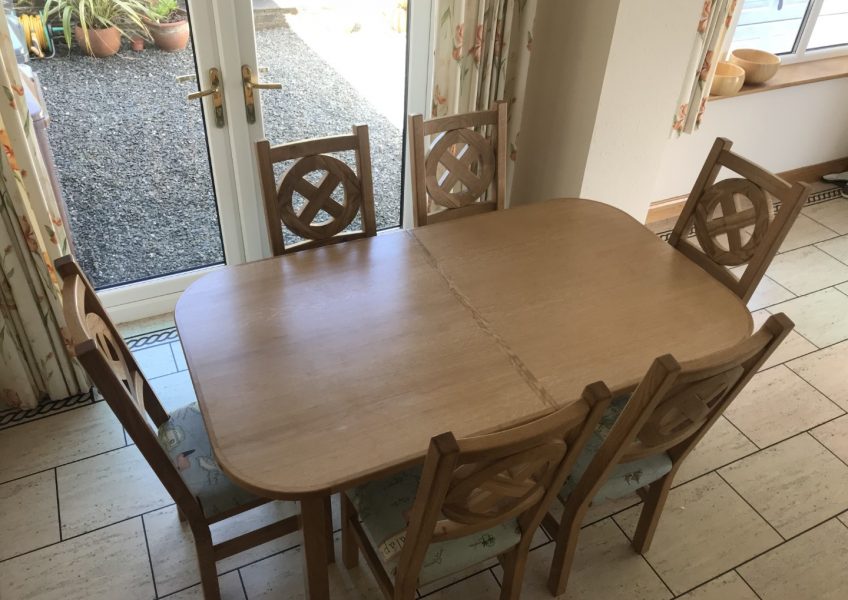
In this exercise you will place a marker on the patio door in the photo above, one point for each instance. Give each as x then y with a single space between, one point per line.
339 63
194 197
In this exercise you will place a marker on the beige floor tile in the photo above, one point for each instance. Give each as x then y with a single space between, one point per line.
482 586
172 550
795 485
29 518
810 566
727 587
722 445
837 248
820 317
179 356
605 568
156 361
777 404
834 435
832 214
705 529
806 270
174 390
825 369
58 439
281 576
768 292
598 512
103 565
793 346
804 232
230 585
107 488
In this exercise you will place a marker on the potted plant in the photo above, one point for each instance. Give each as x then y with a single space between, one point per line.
168 25
97 25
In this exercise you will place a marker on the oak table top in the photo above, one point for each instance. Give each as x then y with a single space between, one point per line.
320 369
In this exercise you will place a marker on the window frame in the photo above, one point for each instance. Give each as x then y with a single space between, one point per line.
799 52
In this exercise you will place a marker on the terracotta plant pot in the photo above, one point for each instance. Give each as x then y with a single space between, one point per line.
137 44
104 42
170 37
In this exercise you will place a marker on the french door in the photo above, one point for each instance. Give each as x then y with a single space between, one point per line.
230 51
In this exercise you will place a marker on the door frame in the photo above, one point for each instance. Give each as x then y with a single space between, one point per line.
223 36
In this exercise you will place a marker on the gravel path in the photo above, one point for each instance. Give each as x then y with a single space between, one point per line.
132 160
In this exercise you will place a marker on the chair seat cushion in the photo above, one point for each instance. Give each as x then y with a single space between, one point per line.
625 478
384 507
185 440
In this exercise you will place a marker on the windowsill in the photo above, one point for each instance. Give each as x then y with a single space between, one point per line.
798 74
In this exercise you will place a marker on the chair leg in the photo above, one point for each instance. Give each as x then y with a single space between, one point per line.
350 549
651 511
405 587
566 546
328 516
206 562
181 515
514 564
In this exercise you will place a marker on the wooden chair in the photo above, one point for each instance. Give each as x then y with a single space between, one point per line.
462 172
175 445
733 219
473 499
642 442
311 156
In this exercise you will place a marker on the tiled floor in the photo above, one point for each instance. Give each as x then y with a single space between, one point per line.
760 509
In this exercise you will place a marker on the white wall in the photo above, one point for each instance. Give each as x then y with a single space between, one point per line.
571 43
602 88
647 61
780 129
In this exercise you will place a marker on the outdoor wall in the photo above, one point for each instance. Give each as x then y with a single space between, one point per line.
602 88
780 129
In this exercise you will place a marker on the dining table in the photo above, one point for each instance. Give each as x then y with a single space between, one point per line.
319 370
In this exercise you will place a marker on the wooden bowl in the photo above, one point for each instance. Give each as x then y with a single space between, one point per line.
728 79
759 65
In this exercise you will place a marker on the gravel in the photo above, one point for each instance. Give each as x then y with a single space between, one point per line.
131 152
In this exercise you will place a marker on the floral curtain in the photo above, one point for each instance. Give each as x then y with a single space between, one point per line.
713 25
35 363
482 53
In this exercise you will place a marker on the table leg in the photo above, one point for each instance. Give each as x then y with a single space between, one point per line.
315 556
328 520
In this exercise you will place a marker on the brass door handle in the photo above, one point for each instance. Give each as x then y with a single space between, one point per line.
217 94
248 85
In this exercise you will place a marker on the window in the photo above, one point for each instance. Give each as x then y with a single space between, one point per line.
795 29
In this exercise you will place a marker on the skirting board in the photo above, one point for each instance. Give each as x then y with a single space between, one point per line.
672 207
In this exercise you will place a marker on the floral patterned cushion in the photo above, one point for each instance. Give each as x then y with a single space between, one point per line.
384 507
185 440
625 478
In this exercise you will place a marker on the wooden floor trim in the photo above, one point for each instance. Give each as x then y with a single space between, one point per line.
670 208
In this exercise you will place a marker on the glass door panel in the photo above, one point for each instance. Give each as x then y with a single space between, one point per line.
132 161
340 63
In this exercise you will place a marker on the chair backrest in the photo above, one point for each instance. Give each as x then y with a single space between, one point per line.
317 217
676 404
734 221
473 484
462 170
108 361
